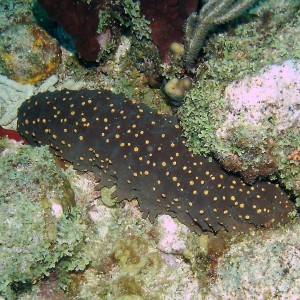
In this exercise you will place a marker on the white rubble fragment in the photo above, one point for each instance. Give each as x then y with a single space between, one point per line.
13 94
11 97
173 235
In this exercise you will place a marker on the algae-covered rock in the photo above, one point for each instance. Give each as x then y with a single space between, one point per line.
28 54
125 262
244 106
38 226
260 266
257 127
258 133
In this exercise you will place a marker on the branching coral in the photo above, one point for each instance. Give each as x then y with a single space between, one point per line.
214 12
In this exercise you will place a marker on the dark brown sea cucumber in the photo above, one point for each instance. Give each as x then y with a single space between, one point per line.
144 154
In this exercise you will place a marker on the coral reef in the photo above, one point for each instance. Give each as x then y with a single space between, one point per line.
214 12
38 226
129 264
120 255
257 127
28 54
259 130
229 57
123 258
125 262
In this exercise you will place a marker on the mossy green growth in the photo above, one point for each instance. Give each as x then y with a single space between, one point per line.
39 226
288 162
127 14
246 48
197 115
233 55
272 37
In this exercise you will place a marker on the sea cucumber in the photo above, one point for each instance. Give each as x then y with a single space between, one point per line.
143 152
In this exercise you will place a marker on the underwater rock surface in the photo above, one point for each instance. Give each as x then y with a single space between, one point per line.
28 54
38 223
144 154
260 267
262 121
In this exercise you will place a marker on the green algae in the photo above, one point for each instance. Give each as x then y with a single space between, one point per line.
270 37
232 55
128 14
38 222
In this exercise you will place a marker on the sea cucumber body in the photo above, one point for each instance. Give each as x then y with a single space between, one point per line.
144 154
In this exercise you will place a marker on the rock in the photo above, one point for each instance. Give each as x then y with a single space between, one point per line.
28 54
